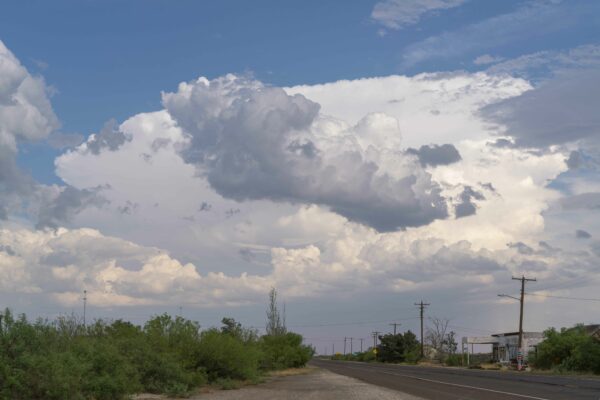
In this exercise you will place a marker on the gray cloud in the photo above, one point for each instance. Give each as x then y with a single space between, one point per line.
522 248
397 14
128 208
584 201
561 110
434 155
502 143
26 115
466 206
7 249
160 143
581 234
257 142
575 160
62 206
546 64
60 140
204 206
531 18
485 59
488 186
110 137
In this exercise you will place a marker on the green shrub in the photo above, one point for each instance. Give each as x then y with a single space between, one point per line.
284 351
453 360
64 359
225 356
568 350
398 348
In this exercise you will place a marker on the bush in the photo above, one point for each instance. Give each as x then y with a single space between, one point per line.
225 356
64 359
284 351
453 360
398 348
568 350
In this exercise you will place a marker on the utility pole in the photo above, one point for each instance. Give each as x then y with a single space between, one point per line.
333 349
361 340
345 344
84 306
422 306
395 324
375 335
351 340
522 300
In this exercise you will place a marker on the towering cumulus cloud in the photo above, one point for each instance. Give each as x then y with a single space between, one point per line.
257 142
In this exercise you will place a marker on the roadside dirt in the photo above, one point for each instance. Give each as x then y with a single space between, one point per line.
315 384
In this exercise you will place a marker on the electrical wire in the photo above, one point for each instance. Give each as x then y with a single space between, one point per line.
562 297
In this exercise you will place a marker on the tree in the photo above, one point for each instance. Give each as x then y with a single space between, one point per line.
450 343
275 322
438 337
398 348
235 329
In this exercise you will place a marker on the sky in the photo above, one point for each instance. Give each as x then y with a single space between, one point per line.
186 157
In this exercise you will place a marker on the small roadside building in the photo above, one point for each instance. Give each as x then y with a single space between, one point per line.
505 345
592 330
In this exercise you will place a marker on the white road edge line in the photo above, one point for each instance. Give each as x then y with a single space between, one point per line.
466 386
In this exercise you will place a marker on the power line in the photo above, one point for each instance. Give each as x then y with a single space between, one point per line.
342 323
561 297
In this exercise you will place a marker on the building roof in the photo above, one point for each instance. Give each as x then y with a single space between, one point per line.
525 334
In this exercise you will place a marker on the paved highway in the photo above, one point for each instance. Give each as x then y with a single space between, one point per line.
435 383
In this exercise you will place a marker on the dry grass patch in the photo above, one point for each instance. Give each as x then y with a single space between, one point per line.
292 371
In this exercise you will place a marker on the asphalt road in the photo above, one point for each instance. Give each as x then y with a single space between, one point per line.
437 383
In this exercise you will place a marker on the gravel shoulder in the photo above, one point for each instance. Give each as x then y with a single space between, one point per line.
318 384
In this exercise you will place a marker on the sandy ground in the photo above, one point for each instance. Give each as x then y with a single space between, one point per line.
318 384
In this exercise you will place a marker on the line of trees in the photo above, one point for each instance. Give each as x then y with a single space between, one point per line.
63 359
440 345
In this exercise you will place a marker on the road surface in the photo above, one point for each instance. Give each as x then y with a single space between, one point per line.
436 383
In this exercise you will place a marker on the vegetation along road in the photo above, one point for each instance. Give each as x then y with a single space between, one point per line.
452 383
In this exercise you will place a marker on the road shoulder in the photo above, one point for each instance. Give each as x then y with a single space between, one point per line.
319 384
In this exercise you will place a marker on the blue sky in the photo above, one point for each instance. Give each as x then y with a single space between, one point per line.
111 59
135 186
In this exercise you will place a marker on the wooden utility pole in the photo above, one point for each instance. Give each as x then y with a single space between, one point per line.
84 305
522 300
422 306
395 324
361 347
375 335
345 344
